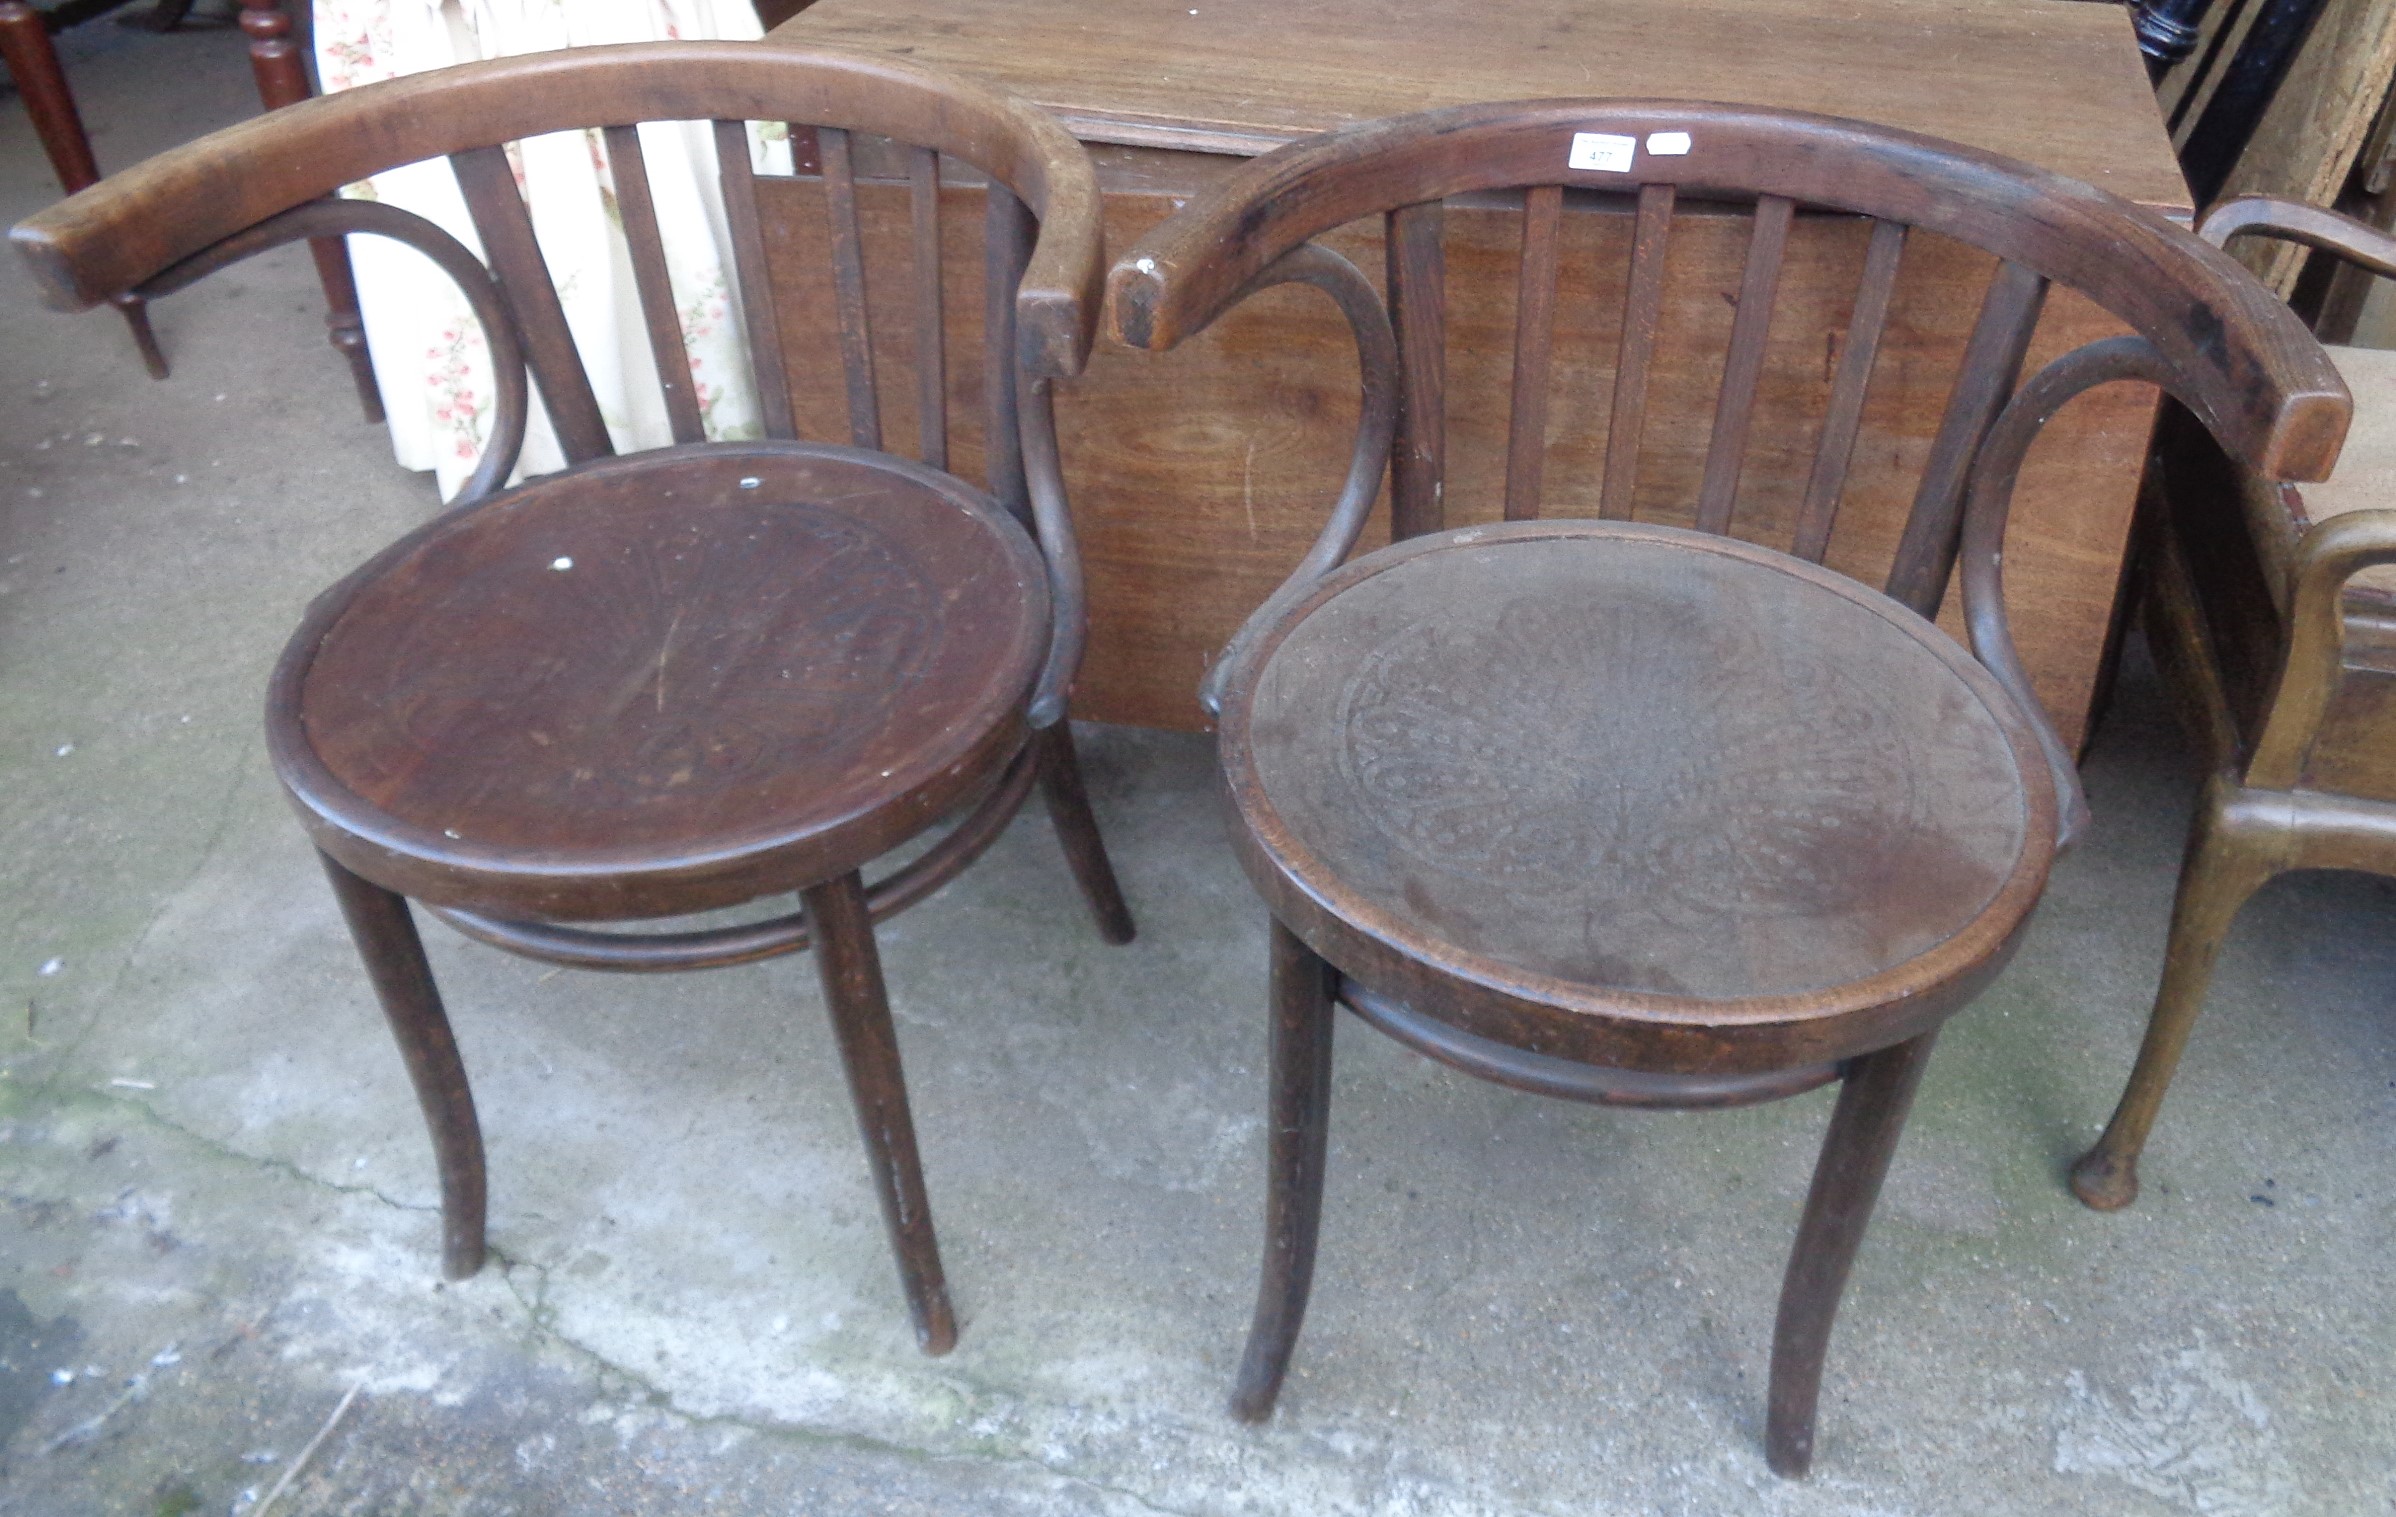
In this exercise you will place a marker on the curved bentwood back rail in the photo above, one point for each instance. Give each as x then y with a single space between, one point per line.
183 215
2199 326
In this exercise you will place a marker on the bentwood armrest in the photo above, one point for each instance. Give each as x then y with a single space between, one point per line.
2308 225
2331 553
134 226
2247 366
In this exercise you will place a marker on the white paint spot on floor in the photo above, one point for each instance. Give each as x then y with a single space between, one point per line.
2193 1434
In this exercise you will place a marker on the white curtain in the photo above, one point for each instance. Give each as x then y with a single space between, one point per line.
428 351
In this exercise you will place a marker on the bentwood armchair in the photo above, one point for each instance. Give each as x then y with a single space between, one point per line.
1633 811
685 679
2273 615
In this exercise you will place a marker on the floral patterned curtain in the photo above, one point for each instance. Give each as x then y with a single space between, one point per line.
429 356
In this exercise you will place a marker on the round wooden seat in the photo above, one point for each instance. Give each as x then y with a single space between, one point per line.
1636 796
662 683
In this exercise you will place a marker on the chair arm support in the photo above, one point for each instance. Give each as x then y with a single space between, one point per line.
2308 225
1376 431
1986 510
2330 554
1052 523
336 216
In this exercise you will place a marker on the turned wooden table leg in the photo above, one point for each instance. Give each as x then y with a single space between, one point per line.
385 932
283 80
1864 1128
1300 1117
33 64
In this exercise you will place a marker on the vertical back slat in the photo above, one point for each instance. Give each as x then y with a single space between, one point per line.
1417 270
751 275
1846 411
1759 283
630 172
1007 247
1642 312
1992 362
1534 339
848 287
505 227
931 340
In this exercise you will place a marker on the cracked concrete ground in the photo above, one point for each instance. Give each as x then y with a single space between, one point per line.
219 1217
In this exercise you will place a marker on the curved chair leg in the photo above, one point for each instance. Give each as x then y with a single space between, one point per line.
2221 869
386 937
1077 829
852 975
1855 1158
1301 1122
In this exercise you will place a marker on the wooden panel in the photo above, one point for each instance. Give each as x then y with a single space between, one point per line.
1242 75
2305 145
1198 477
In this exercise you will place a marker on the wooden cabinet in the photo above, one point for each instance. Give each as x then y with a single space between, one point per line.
1198 476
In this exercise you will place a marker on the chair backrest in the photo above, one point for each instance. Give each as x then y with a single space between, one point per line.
2204 329
158 227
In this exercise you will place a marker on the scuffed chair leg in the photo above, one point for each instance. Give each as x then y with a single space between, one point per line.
852 976
1300 1120
136 312
2222 868
1863 1134
32 63
386 937
1069 808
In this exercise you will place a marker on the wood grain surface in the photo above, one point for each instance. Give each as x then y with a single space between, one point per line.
1200 476
669 666
2055 83
1636 762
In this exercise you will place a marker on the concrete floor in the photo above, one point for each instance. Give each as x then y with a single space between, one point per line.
219 1208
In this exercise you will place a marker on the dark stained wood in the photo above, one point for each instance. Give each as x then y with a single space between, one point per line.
1840 422
725 686
1568 1079
1244 429
80 252
1006 241
1534 334
403 983
1803 790
282 79
648 686
749 942
32 64
504 225
1743 364
848 278
2261 601
931 343
1298 1129
2259 380
1060 772
1665 804
1642 311
1856 1150
869 1054
757 304
1992 361
629 172
1418 300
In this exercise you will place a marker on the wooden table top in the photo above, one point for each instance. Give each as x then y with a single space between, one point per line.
2055 82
